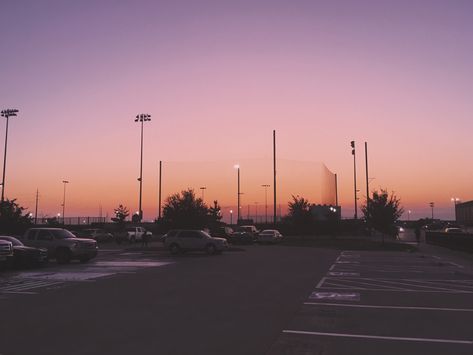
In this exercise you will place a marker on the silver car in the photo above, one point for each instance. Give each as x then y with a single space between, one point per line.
190 240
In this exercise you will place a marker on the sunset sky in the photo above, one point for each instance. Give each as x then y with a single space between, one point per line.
218 77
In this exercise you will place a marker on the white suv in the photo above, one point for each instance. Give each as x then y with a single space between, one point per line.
184 240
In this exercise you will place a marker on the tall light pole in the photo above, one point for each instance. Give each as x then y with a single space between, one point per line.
7 114
256 212
231 217
143 117
432 205
64 202
266 201
203 188
352 143
238 207
455 200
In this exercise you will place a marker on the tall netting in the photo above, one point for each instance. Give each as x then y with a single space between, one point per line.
218 180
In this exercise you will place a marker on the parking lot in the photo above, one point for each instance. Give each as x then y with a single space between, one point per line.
384 302
268 299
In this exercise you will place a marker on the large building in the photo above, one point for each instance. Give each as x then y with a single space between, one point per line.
464 212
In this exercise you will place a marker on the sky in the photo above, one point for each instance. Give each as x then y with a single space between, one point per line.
217 77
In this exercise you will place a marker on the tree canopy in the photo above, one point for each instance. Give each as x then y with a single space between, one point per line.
184 210
382 211
12 217
121 213
299 210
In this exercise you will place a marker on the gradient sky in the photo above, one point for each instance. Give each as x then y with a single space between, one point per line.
217 77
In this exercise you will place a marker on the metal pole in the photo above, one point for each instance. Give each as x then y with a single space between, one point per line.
5 160
336 190
159 197
238 207
64 202
141 172
274 174
354 177
36 208
367 187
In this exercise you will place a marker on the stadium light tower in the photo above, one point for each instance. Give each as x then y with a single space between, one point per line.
7 113
143 117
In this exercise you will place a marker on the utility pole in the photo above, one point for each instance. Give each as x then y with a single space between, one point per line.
367 187
432 205
354 174
336 190
64 202
36 208
159 197
274 174
203 188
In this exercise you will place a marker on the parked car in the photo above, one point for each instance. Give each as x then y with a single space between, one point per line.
6 253
24 256
97 234
241 238
61 244
189 240
453 230
269 236
170 233
222 232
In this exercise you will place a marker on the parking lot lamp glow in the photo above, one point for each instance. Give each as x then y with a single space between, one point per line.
7 114
143 117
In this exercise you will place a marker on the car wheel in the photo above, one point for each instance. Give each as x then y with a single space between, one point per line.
175 249
210 249
63 256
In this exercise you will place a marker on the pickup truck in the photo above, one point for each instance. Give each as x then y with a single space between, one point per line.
135 234
6 253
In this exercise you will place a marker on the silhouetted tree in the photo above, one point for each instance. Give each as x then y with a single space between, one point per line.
184 210
382 212
12 217
121 213
215 212
299 210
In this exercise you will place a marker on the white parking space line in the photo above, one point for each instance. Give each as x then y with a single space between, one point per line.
377 337
390 307
321 282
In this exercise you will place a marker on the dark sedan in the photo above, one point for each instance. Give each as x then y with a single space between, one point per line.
24 256
241 238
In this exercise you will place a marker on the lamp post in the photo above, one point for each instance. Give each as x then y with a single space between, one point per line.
143 117
352 143
256 212
7 114
203 188
238 206
455 201
432 205
266 201
231 217
64 202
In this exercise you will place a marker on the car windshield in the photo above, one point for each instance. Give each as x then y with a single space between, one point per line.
62 234
13 240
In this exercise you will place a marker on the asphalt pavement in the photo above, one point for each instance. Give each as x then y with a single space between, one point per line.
251 300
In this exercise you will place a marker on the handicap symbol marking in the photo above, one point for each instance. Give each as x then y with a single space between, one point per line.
337 296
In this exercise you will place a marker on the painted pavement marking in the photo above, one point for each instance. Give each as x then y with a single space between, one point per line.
390 307
378 337
335 296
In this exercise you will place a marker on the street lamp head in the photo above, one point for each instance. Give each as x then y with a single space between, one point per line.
236 166
143 117
231 211
65 181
